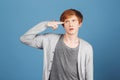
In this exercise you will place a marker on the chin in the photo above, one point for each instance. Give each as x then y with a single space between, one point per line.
71 33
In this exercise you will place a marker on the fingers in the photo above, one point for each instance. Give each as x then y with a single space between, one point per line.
59 22
54 24
54 27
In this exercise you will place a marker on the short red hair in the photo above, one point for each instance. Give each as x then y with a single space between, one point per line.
70 12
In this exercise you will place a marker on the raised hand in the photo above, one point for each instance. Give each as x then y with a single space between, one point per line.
54 24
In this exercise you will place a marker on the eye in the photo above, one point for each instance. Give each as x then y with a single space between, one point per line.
66 21
73 20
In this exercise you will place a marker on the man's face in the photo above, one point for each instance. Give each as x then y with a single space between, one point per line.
72 25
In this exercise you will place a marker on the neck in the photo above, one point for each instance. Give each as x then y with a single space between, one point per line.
71 38
71 41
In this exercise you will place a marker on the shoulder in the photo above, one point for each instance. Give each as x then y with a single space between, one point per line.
51 36
85 43
86 46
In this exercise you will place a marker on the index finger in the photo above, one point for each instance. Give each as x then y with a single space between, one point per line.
60 22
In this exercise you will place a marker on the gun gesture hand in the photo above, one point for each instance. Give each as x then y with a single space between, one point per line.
54 24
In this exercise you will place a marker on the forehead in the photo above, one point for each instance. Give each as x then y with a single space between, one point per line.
71 17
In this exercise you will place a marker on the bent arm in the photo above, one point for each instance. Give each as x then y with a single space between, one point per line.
32 38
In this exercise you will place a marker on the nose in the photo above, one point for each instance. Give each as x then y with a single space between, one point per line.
70 24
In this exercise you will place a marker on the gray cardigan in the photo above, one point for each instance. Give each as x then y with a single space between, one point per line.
48 42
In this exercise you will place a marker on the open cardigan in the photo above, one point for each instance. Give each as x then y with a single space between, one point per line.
48 42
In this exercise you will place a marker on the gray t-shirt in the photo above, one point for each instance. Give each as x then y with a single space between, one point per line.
64 65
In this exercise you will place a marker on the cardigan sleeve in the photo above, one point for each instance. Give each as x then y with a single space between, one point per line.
32 38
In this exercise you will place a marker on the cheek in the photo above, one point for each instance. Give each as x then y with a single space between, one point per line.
65 26
77 24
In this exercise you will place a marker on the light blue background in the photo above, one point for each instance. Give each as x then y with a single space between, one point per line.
101 27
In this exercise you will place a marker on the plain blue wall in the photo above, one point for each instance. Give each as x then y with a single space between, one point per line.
101 27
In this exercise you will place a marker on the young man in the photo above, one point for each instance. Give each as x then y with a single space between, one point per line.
66 56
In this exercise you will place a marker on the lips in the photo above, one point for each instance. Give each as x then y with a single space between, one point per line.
71 29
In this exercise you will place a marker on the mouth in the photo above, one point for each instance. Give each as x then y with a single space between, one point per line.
71 29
